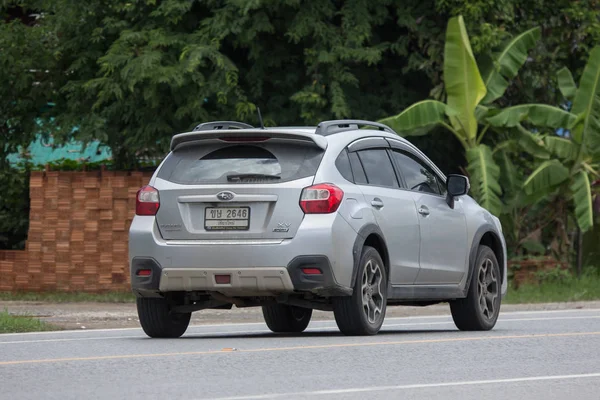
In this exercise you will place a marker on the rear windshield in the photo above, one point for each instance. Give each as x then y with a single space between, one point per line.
256 163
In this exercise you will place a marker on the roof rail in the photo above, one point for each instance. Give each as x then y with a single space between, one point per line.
211 126
326 128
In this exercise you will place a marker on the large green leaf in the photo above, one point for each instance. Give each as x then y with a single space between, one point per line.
587 104
508 172
582 200
484 176
540 115
464 86
481 112
566 84
506 64
418 119
546 177
561 147
532 143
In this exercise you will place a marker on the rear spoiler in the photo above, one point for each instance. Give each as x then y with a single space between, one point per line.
188 137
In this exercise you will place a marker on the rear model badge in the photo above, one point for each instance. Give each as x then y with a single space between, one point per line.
171 227
225 196
282 227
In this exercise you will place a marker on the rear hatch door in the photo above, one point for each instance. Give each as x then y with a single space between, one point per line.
235 188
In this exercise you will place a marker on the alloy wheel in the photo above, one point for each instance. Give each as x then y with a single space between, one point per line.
487 288
372 296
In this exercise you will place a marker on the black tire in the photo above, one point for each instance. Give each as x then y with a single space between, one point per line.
477 311
283 318
351 311
158 321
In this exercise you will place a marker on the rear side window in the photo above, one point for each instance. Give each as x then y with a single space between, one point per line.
357 170
262 163
378 167
342 163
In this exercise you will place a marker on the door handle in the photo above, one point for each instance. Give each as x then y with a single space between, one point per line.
377 203
423 210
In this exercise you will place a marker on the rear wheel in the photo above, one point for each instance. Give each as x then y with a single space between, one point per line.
283 318
363 312
479 310
158 321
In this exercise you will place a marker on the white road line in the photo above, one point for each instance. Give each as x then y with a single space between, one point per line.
413 386
312 329
225 325
499 320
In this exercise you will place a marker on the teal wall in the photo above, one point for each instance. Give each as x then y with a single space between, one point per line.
42 152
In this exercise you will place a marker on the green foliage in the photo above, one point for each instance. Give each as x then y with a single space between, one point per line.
469 120
14 207
418 119
28 73
540 115
578 156
582 194
566 84
485 175
546 177
462 81
22 323
557 285
562 148
138 72
69 297
504 66
133 73
586 106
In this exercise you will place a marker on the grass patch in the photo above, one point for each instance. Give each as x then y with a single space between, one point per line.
69 297
557 288
22 323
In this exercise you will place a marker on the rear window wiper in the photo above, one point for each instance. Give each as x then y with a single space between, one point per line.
239 177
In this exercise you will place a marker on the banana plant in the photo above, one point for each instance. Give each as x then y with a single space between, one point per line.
469 112
576 159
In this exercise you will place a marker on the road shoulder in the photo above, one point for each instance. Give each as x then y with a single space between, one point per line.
124 315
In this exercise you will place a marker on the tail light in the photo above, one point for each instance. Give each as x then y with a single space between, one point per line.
147 201
324 198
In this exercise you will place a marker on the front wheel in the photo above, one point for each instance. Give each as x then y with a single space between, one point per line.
479 310
363 312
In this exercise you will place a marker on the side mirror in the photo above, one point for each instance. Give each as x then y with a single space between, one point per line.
456 185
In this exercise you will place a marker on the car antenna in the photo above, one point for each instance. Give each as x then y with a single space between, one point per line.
262 126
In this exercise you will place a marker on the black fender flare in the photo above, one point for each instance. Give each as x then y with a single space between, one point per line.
359 243
482 230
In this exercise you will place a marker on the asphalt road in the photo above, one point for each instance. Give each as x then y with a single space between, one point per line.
529 355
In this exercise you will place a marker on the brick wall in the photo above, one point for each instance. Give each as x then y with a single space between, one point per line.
78 231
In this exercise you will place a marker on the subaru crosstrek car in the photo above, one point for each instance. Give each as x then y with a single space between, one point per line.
345 217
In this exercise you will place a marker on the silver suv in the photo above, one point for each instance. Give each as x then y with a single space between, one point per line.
335 218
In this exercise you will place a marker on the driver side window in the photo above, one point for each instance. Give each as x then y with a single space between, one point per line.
417 175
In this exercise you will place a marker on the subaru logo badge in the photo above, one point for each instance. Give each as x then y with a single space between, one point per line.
225 196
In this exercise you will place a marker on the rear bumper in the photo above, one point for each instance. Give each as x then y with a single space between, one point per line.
256 281
256 268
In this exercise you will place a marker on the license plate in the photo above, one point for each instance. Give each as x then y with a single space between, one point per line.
226 218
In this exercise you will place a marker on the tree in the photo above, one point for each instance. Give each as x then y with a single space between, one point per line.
469 110
577 157
27 80
132 73
140 71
